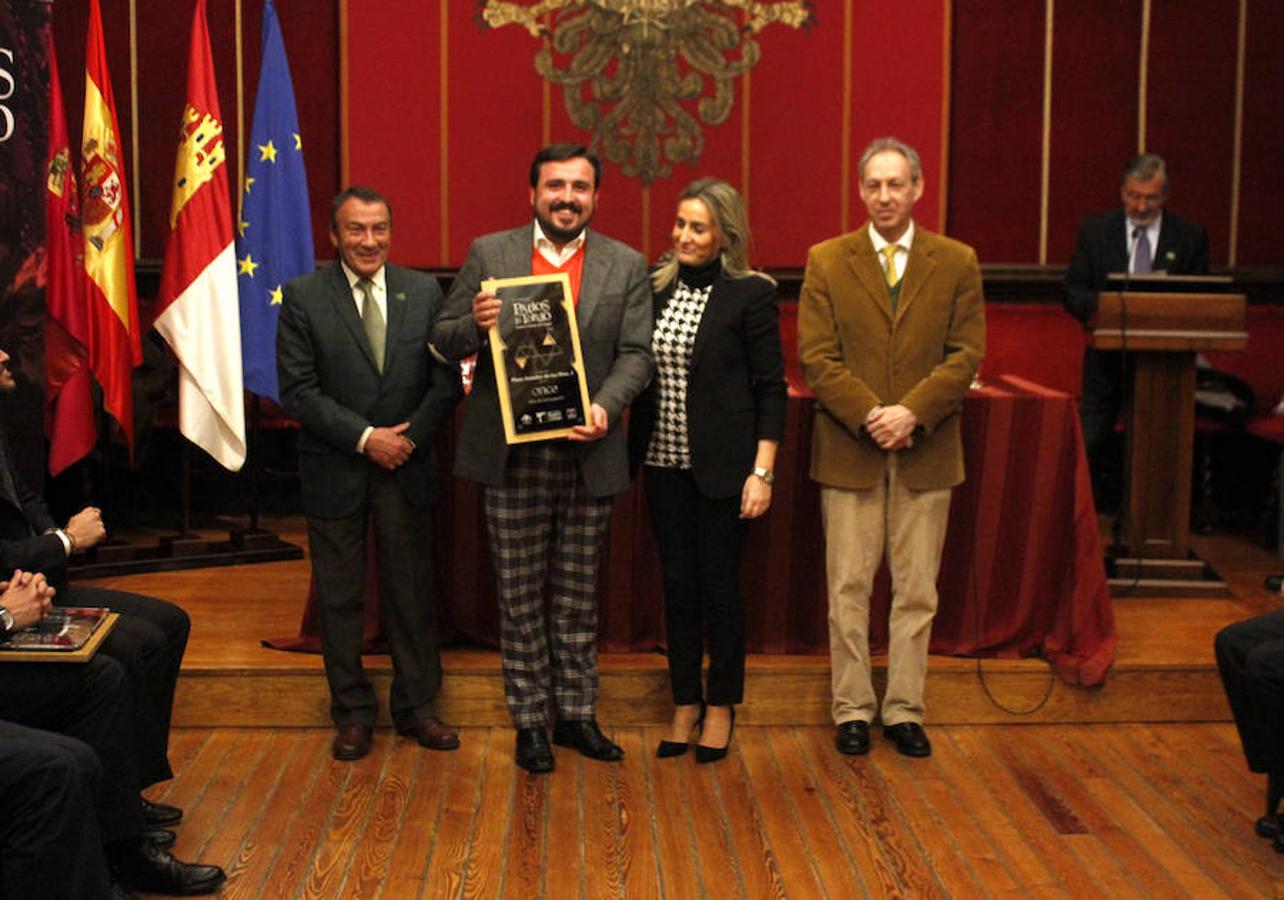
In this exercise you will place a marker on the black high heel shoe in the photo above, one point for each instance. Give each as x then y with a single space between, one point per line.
670 749
705 754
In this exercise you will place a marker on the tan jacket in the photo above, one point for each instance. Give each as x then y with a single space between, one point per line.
856 355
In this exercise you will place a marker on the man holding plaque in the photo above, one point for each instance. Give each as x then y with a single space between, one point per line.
549 465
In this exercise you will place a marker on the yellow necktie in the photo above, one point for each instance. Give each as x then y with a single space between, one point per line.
889 251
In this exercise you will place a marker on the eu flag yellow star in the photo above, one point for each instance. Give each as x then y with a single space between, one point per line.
298 142
268 152
248 181
241 226
275 294
247 265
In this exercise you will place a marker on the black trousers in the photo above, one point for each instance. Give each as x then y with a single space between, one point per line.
1250 658
91 702
700 541
1104 374
148 641
50 845
403 535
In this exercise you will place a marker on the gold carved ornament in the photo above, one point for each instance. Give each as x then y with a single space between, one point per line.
632 70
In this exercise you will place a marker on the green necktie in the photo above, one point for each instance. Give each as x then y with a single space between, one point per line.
889 251
372 320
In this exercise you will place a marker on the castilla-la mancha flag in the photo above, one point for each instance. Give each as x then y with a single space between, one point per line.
197 307
69 402
110 296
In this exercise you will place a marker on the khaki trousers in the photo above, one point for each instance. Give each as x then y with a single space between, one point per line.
859 525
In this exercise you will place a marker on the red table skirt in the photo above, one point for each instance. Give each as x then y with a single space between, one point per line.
1022 574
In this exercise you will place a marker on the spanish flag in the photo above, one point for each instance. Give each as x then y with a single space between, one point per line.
197 306
69 404
111 297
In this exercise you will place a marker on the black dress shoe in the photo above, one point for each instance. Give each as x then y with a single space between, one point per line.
670 749
852 738
909 738
706 754
153 870
161 837
160 815
587 738
533 752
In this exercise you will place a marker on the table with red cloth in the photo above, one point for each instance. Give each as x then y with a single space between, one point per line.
1021 576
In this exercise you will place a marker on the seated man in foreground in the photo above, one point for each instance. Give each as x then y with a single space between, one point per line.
148 641
91 702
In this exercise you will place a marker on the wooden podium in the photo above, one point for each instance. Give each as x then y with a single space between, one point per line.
1161 333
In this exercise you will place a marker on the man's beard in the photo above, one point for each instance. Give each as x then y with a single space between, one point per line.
561 235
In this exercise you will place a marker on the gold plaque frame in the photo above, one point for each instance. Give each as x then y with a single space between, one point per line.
539 366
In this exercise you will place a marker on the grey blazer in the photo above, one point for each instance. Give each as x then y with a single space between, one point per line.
330 384
614 316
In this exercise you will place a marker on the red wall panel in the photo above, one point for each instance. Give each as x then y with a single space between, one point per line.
1193 69
796 146
1261 236
996 134
1095 65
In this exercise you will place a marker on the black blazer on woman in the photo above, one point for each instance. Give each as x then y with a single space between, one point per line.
735 389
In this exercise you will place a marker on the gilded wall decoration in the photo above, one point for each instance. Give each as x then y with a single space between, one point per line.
638 73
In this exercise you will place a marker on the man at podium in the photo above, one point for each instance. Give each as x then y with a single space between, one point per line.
1138 238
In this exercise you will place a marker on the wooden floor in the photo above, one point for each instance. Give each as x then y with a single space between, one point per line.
1065 811
1163 672
1134 789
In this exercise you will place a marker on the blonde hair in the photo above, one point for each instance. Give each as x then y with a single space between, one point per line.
727 210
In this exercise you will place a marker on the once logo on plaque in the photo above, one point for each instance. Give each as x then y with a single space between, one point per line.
535 346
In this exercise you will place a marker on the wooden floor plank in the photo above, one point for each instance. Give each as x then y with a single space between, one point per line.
966 797
388 804
564 872
262 839
828 768
898 779
460 812
255 774
831 858
484 875
779 818
600 805
415 837
1162 802
719 870
526 848
292 865
674 815
332 863
1074 793
758 866
637 838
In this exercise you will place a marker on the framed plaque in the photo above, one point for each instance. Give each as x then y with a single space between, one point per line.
539 369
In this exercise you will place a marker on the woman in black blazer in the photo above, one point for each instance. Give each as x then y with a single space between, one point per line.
707 430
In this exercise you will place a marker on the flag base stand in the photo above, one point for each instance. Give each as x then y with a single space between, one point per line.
171 554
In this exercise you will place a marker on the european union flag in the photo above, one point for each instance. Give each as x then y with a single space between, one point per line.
274 242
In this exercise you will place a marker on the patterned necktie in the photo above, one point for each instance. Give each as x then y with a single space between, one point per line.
889 251
1141 258
372 320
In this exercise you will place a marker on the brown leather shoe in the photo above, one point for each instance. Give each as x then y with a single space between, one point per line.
431 733
351 741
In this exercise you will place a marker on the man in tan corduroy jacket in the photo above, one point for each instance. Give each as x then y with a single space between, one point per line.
891 330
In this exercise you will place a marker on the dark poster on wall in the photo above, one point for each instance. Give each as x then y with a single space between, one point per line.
24 121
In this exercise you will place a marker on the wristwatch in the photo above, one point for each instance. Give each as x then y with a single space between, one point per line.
6 620
765 474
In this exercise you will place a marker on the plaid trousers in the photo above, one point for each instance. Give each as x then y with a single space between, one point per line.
546 528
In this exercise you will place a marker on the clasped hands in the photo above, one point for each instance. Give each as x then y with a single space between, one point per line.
388 446
892 427
27 596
